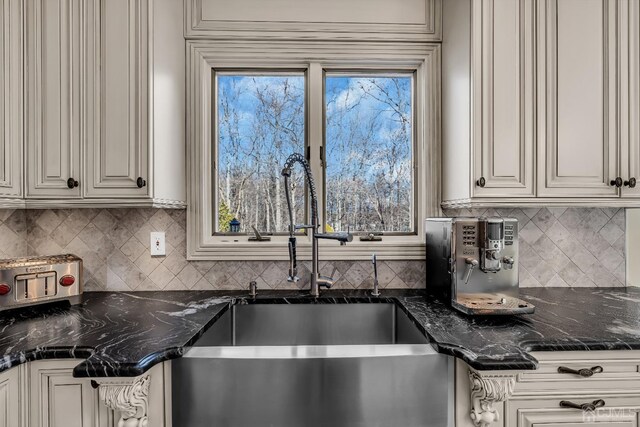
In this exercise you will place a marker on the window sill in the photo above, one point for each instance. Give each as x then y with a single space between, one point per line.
244 250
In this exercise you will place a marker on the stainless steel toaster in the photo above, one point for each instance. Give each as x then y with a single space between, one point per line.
30 281
473 264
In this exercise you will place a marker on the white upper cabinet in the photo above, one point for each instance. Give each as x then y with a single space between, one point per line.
103 83
630 91
577 98
551 94
503 98
418 20
118 92
11 98
489 101
53 88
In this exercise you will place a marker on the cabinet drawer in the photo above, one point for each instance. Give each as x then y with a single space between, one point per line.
619 374
618 411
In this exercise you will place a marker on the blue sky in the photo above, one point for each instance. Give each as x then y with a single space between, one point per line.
343 89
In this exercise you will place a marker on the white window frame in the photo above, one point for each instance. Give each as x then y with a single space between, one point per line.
203 57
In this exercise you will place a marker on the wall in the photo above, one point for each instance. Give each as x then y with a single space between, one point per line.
633 246
567 246
559 247
114 244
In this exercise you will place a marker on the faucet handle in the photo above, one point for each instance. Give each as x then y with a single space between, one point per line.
327 281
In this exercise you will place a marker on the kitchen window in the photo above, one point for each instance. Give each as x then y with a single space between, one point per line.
260 121
367 125
368 161
367 164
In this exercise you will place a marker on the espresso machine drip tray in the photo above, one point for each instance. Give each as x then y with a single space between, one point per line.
491 304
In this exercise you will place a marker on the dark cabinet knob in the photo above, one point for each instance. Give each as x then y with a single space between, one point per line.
141 182
72 183
631 183
481 182
617 182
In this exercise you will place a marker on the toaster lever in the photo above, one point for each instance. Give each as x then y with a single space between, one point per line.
471 264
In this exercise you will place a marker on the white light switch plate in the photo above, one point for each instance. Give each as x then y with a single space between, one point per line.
157 243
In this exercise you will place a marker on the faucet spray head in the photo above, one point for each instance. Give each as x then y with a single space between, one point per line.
376 291
293 262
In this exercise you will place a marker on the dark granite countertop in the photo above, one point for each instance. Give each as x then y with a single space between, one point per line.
124 334
119 334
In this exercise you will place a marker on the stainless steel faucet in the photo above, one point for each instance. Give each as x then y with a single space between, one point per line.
316 279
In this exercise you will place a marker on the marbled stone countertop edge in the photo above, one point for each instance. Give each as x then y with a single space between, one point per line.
125 334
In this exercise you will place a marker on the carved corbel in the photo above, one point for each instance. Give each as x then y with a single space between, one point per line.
129 398
486 391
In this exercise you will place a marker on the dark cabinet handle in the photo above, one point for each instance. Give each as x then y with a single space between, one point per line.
72 183
583 406
141 182
631 183
617 182
481 182
586 373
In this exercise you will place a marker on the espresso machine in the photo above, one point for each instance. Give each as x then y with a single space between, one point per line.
472 263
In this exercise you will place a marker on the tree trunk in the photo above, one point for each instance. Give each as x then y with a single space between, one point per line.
278 206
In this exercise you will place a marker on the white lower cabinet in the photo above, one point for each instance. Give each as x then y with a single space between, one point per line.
618 411
44 393
533 398
10 398
58 399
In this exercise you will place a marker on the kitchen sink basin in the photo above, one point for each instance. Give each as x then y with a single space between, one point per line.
312 365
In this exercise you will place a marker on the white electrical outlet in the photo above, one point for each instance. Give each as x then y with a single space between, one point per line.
157 243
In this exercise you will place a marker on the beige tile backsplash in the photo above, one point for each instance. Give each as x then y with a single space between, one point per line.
567 246
559 247
114 244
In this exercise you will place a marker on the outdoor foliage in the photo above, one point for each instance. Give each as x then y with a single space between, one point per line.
260 123
369 152
368 143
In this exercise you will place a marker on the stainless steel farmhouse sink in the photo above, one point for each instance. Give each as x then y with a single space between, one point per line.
312 365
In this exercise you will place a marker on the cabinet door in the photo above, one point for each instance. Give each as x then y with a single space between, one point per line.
57 399
11 128
630 86
9 398
546 412
53 88
118 149
503 98
577 98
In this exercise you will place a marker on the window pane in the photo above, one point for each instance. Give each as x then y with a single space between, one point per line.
369 153
260 123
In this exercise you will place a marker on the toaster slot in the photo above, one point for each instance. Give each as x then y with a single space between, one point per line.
35 286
